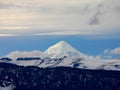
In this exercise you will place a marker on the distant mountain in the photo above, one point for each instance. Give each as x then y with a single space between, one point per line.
60 50
62 54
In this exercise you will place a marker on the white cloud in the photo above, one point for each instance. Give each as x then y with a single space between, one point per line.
4 35
107 51
114 51
15 28
53 16
16 54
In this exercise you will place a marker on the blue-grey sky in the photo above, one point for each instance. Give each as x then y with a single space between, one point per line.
88 45
91 26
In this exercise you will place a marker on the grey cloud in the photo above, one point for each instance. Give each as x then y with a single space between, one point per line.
60 9
95 19
5 6
100 5
117 8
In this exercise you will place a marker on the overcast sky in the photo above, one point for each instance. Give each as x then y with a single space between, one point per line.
59 17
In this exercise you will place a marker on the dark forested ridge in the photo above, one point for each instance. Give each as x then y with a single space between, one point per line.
59 78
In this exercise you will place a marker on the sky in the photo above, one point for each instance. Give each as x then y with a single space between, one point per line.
91 26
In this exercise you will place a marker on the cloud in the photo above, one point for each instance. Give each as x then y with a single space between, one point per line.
106 51
95 19
114 51
71 16
5 5
16 28
4 35
16 54
117 8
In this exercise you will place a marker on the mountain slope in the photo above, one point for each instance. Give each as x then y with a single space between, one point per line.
60 50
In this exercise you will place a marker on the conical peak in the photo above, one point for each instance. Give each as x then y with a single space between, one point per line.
62 43
61 49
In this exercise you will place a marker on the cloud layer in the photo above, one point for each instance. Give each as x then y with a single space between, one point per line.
59 17
114 51
17 54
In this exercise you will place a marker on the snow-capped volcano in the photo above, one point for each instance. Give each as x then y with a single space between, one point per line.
54 56
60 50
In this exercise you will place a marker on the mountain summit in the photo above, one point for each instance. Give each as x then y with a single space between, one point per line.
62 49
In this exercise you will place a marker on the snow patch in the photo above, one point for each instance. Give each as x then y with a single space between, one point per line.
10 87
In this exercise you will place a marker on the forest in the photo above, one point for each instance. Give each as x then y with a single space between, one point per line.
59 78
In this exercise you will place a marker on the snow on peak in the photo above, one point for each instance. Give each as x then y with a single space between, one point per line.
62 49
